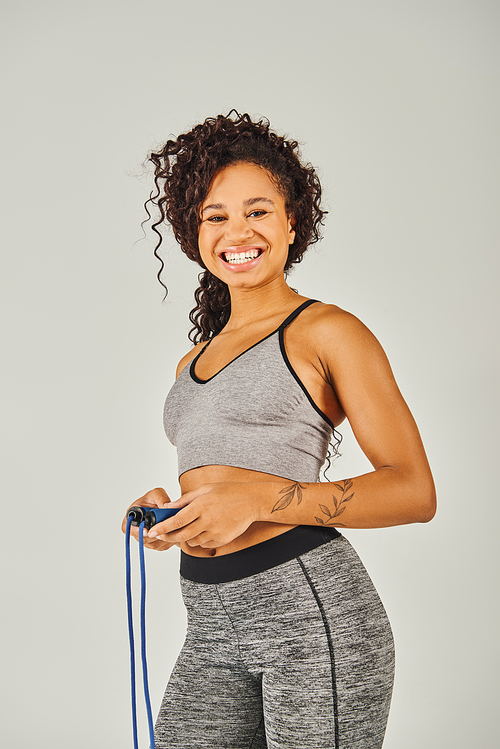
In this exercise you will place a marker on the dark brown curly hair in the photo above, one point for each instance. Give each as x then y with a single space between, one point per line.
184 170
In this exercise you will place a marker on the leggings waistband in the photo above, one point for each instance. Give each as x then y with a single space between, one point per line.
257 558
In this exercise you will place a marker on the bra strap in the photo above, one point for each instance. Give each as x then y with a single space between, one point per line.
296 313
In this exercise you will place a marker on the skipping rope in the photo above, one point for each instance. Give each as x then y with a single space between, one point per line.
145 518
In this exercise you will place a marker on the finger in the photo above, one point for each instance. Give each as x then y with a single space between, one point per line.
155 498
185 534
173 524
192 495
210 544
186 498
202 539
157 545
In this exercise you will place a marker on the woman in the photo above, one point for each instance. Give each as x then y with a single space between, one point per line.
288 644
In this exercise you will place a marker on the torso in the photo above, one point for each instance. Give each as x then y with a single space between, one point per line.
306 360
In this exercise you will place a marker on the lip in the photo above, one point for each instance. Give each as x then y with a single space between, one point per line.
238 267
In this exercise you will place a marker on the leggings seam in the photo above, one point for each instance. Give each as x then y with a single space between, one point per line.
330 649
256 731
231 622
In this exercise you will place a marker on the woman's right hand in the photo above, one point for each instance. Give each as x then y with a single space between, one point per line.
154 498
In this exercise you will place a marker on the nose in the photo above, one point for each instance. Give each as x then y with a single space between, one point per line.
237 229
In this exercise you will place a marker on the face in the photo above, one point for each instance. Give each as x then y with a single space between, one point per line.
245 231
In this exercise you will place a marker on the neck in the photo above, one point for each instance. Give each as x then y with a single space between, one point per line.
259 304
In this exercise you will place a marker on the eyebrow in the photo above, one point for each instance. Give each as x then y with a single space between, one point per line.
248 202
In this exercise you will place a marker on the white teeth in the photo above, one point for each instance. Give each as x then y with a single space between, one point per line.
240 257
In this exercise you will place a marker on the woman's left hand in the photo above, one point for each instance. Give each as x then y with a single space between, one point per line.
211 516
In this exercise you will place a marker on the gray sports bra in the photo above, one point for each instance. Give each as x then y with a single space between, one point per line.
255 413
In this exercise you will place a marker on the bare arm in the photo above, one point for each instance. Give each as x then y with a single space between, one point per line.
400 489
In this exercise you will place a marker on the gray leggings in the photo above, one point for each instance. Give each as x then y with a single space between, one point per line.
299 656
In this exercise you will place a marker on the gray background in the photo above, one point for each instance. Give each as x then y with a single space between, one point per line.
397 105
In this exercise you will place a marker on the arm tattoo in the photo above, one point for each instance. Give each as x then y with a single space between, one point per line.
289 493
339 504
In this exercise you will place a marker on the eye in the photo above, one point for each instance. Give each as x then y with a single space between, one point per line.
258 212
215 219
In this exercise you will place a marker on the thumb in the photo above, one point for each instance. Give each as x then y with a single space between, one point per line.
189 497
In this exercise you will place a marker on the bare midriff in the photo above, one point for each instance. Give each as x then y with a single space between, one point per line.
256 533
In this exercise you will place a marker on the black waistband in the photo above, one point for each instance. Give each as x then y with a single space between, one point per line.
255 559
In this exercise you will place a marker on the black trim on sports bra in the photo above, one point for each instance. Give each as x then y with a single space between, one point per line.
299 381
280 328
291 317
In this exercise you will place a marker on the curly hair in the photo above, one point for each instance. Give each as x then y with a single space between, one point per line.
183 173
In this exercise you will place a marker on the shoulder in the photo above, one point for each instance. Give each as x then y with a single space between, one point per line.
341 341
330 316
335 327
188 358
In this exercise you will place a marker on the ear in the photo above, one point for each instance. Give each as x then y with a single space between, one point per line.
291 229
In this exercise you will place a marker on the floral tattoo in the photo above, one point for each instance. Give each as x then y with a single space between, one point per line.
339 504
289 493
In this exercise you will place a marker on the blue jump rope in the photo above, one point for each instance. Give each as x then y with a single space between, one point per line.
145 518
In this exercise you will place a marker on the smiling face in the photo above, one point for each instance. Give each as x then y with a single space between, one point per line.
245 231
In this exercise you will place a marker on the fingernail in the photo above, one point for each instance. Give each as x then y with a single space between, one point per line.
152 534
